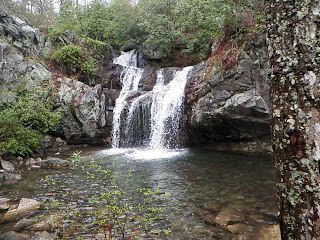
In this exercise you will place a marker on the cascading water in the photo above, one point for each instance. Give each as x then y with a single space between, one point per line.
166 110
137 129
130 78
152 118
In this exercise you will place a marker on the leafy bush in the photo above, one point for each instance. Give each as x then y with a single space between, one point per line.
23 122
88 67
96 45
68 56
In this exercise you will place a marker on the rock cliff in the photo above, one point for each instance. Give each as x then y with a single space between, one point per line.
227 107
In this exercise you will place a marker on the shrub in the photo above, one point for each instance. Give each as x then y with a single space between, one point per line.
69 57
88 67
23 122
97 45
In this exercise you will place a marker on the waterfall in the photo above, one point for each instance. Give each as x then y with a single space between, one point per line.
130 78
167 109
137 129
127 59
151 118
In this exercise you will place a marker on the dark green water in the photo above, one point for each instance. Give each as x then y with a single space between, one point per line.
191 178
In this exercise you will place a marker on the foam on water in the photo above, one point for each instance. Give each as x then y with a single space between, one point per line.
146 154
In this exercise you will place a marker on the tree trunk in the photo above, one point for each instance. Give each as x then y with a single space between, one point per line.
294 51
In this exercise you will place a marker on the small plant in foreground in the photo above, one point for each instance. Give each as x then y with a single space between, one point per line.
75 157
114 210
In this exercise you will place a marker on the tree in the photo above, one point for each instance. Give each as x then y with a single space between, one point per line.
38 12
293 36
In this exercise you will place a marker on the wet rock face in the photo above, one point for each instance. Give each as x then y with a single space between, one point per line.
230 105
88 111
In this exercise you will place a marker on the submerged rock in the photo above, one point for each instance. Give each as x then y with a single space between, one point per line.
4 203
11 177
42 236
54 163
229 215
238 228
25 205
45 223
271 232
213 207
11 236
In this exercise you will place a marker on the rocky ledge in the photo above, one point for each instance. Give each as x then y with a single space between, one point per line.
227 108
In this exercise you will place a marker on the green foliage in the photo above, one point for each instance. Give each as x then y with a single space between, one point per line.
73 58
75 157
122 24
23 122
88 67
117 209
69 55
70 17
38 13
96 45
189 25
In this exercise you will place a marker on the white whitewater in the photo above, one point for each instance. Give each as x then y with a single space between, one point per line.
167 109
151 119
130 78
127 59
137 126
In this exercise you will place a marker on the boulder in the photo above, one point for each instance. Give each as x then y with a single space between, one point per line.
268 232
42 236
6 165
4 203
229 215
54 163
86 116
25 205
152 52
11 236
